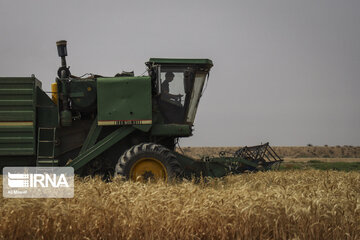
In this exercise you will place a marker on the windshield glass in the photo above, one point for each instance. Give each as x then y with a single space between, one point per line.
195 96
175 92
172 87
180 92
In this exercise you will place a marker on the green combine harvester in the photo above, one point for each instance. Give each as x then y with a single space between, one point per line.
123 125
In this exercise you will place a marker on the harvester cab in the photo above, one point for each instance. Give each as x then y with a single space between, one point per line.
123 125
178 85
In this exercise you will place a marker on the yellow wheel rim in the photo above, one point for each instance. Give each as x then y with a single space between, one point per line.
148 169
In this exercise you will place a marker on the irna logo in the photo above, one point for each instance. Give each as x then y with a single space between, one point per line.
38 182
16 180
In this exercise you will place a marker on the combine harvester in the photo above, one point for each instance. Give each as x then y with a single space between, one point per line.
123 125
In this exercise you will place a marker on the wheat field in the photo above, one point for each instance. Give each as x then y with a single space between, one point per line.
307 204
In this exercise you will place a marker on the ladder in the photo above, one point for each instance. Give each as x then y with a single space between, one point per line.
46 147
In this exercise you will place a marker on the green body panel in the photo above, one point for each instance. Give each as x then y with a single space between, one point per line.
180 61
83 93
17 161
18 116
91 137
124 101
47 111
17 140
100 147
177 130
143 127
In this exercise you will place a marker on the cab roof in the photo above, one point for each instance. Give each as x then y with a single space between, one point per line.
181 61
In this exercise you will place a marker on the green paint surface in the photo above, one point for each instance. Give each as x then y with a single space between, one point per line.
18 115
124 99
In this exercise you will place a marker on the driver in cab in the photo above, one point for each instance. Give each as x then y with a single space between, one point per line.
165 89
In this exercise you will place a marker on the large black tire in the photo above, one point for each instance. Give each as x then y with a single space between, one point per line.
148 161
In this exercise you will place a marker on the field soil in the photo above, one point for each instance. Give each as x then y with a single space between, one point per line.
308 204
300 153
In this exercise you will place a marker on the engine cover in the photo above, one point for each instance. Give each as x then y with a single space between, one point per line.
83 94
124 101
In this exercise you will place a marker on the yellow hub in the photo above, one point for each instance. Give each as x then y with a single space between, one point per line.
148 169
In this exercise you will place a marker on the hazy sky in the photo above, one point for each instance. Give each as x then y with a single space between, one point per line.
285 71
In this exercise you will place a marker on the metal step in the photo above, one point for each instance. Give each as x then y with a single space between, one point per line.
47 162
46 147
